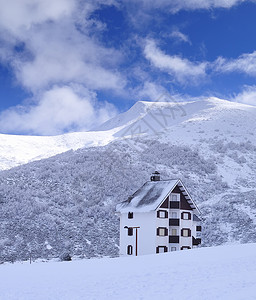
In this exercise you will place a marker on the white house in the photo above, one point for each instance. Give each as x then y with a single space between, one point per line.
159 217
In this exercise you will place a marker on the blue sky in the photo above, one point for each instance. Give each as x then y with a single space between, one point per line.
68 65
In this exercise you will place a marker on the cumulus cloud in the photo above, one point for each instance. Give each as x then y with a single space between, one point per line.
245 63
181 69
247 96
66 108
54 50
69 58
54 43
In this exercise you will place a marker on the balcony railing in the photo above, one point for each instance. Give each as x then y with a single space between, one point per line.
174 239
196 242
174 204
174 222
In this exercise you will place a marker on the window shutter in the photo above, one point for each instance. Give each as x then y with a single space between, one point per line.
130 231
181 232
166 214
166 232
189 232
165 249
187 214
158 214
157 250
157 231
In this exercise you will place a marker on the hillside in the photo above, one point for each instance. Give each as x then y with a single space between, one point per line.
66 203
226 272
16 150
148 118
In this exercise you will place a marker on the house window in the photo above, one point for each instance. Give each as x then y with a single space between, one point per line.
130 231
173 248
186 232
186 216
162 231
130 215
174 215
174 232
161 249
174 201
198 228
162 214
174 197
129 249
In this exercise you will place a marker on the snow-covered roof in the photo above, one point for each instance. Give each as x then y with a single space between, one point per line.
151 195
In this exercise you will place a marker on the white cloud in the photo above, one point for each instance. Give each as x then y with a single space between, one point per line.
181 69
51 43
70 57
185 71
204 4
56 51
245 63
16 16
177 5
150 91
66 108
247 96
179 36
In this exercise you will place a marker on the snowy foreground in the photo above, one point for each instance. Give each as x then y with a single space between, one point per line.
225 272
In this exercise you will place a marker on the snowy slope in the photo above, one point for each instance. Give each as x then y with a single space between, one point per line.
184 122
226 272
17 149
153 117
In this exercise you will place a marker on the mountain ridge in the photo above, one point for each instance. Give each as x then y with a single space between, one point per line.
16 150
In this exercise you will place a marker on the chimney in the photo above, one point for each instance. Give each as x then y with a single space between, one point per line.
155 176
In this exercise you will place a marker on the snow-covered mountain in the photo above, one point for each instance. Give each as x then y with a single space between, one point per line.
226 272
67 202
148 118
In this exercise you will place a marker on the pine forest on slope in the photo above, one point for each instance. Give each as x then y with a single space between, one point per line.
66 203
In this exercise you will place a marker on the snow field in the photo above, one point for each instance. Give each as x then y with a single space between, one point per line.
225 272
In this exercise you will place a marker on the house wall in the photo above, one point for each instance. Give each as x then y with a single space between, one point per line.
176 245
195 233
164 223
186 241
148 240
146 233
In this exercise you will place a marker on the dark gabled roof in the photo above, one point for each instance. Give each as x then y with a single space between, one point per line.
151 195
